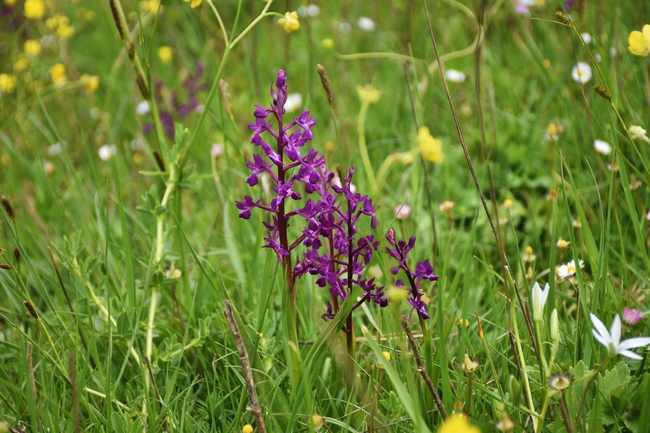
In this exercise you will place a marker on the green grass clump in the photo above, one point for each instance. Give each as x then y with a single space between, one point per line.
123 148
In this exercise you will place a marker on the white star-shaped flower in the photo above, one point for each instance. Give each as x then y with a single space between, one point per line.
612 339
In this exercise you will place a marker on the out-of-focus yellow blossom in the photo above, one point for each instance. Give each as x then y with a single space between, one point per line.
7 83
91 82
65 31
89 16
430 147
57 20
327 43
640 42
165 53
397 294
32 47
457 423
150 5
508 204
247 429
318 421
5 159
21 65
194 3
34 9
10 2
57 72
329 146
290 22
368 94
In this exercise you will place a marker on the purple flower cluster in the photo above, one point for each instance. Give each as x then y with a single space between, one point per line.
336 252
423 271
179 109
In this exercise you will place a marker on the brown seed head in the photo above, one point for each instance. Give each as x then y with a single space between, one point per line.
5 266
8 208
116 18
131 50
31 309
562 18
326 85
603 92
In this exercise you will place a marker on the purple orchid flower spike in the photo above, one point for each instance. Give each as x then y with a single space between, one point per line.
335 250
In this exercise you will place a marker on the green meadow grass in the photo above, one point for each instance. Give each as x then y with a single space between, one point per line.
128 269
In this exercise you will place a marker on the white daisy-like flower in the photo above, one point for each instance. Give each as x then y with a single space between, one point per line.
107 151
455 76
586 37
294 101
602 147
539 300
142 108
366 24
612 339
569 269
581 73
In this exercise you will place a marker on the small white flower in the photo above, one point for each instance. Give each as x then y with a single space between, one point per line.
95 113
568 270
107 151
638 133
142 108
612 339
586 37
199 108
647 217
539 300
48 40
581 73
55 149
597 58
294 101
555 328
344 27
309 11
366 24
455 76
602 147
613 51
402 212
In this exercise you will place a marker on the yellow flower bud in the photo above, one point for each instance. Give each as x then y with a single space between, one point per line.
430 147
290 22
165 53
32 47
247 429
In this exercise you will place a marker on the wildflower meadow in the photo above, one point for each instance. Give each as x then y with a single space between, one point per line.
231 216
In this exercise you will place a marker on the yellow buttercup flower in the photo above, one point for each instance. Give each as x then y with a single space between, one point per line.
57 20
91 82
368 94
34 9
457 423
21 65
640 42
10 2
247 429
290 22
57 72
65 31
430 147
165 53
32 47
7 83
194 3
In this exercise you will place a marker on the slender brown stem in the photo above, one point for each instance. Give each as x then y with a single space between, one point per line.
155 387
565 414
421 369
427 187
67 298
246 369
468 158
584 394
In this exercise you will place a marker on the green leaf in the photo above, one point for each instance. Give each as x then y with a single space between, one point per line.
614 381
